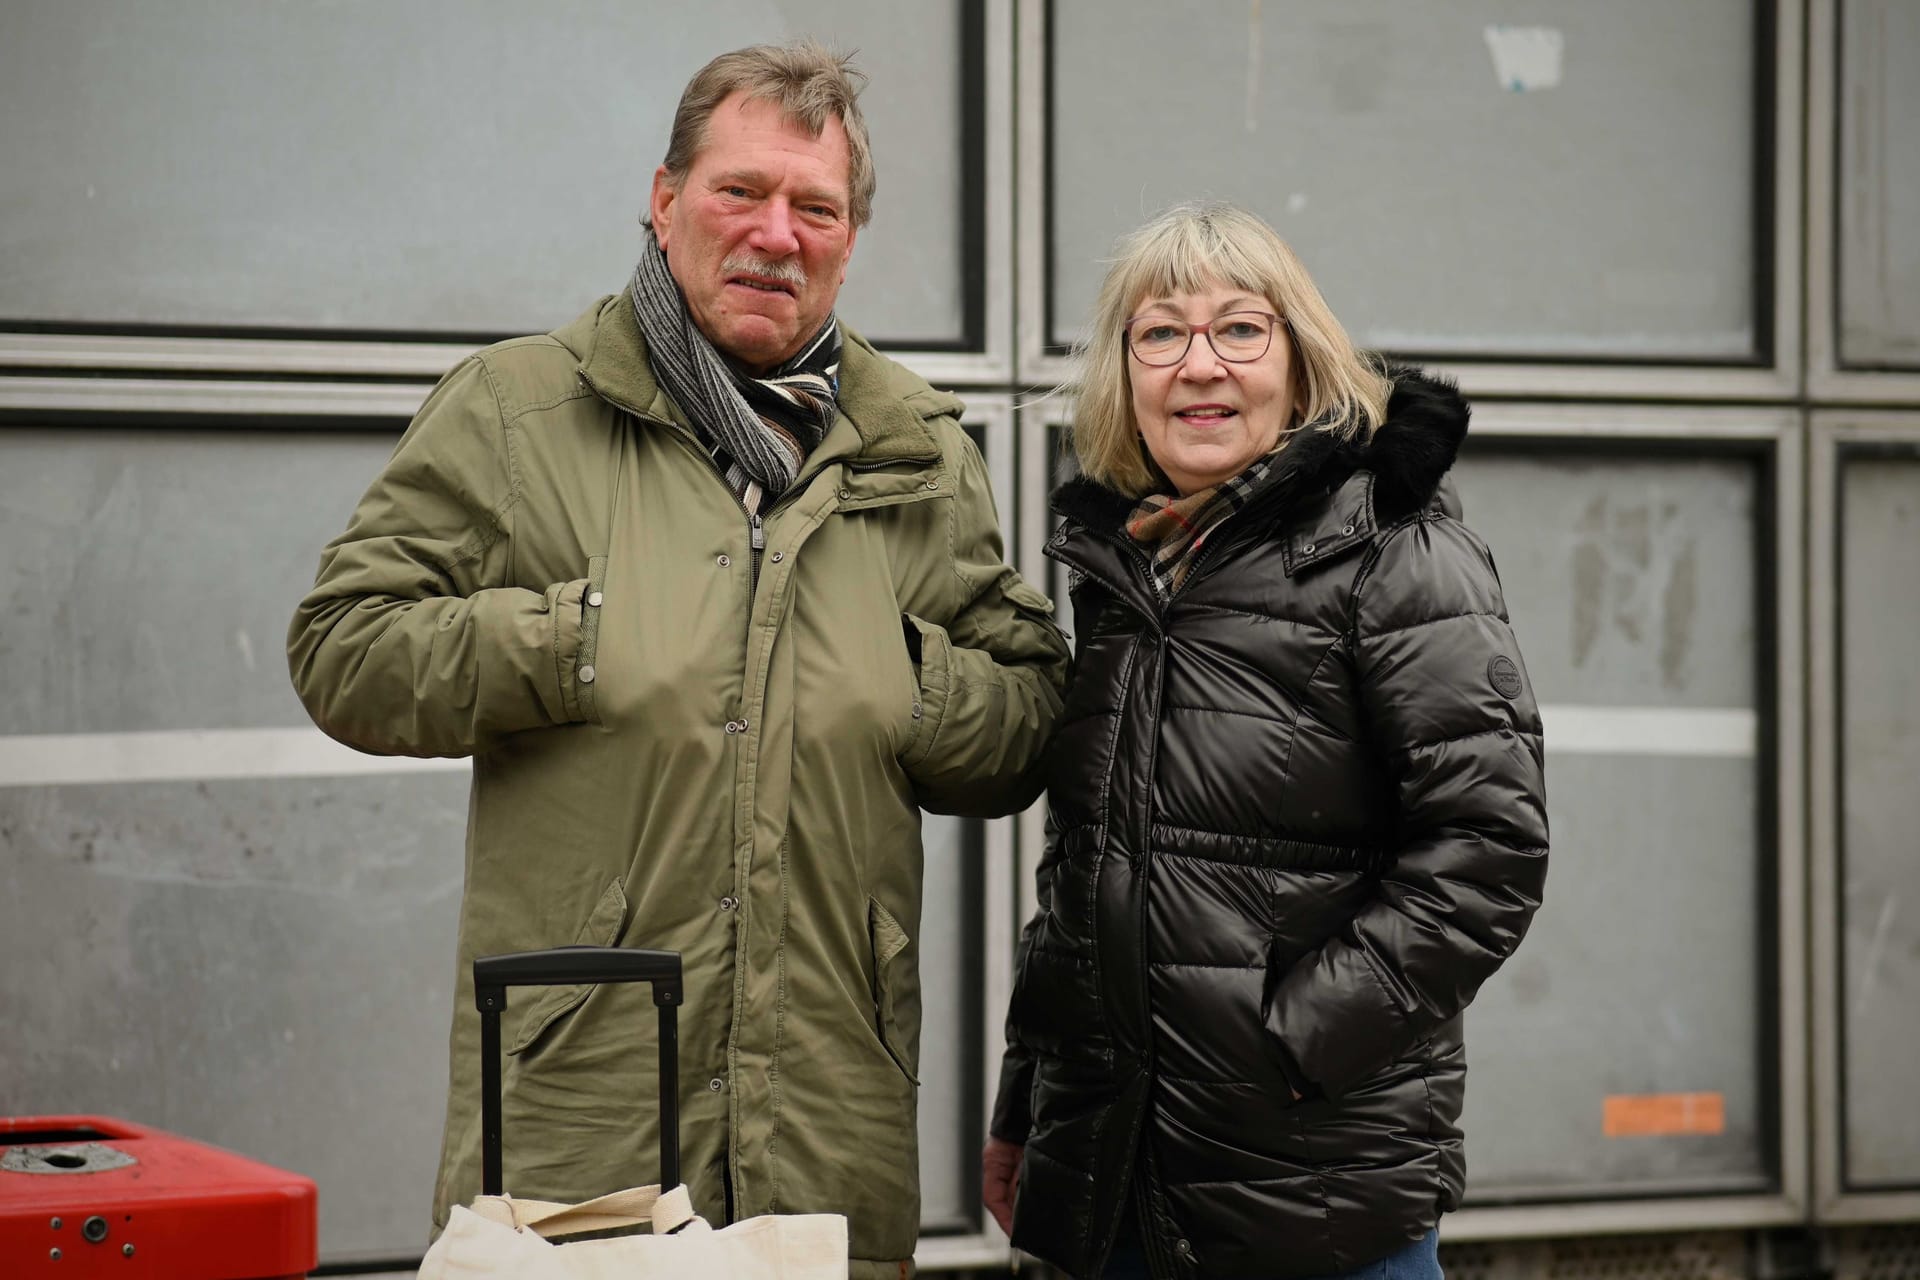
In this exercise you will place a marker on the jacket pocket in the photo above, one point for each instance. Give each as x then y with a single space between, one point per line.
602 929
896 989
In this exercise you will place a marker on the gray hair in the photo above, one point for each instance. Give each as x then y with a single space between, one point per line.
809 83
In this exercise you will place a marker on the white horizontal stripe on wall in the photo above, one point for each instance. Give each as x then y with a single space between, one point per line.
196 755
1651 731
191 755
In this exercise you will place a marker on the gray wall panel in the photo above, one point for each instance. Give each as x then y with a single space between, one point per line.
948 1041
1631 582
266 965
1879 184
148 578
1880 875
1639 977
1439 210
440 166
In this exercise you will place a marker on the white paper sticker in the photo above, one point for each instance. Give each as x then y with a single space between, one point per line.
1525 58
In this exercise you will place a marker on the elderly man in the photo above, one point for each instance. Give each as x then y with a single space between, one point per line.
713 594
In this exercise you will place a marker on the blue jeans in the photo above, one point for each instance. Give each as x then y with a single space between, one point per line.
1418 1261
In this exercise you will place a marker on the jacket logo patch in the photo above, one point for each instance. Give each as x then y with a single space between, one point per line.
1505 675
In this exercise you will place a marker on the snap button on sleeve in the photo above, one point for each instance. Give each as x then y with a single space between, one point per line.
595 599
586 675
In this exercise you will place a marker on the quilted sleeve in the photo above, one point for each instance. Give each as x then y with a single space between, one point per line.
1449 706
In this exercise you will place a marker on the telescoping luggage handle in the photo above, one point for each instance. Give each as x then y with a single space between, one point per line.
567 966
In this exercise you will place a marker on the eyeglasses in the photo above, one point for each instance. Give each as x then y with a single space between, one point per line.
1237 337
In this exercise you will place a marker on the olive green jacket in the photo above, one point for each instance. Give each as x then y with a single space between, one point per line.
682 742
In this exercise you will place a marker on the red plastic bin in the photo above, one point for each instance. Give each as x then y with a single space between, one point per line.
86 1196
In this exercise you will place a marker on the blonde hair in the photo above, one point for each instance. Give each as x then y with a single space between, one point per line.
809 83
1189 249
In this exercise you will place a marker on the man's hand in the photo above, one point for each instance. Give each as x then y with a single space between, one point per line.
1000 1179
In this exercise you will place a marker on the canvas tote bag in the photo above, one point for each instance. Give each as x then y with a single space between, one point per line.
504 1237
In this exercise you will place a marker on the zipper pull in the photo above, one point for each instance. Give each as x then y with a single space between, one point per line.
757 532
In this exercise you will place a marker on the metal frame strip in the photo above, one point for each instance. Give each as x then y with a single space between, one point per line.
209 400
1831 434
1828 380
981 1244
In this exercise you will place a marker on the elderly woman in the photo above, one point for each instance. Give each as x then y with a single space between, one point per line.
1296 803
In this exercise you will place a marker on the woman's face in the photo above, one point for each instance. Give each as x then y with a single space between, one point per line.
1204 418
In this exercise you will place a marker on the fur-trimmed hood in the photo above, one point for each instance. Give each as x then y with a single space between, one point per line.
1409 456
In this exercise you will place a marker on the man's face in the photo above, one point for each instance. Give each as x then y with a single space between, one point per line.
758 235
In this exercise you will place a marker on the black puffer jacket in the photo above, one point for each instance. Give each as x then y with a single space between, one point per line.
1298 818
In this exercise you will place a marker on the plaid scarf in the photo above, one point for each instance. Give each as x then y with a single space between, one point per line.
1176 528
759 429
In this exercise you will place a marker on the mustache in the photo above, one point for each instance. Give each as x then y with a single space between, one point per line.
786 271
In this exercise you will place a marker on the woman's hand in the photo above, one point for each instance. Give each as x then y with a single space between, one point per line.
1000 1179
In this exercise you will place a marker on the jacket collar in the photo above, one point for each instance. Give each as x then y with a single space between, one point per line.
884 405
1406 459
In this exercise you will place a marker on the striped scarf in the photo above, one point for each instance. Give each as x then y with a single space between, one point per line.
1177 528
759 429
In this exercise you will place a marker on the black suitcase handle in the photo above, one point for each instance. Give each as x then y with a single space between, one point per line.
565 966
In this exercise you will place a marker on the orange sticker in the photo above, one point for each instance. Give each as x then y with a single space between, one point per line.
1642 1115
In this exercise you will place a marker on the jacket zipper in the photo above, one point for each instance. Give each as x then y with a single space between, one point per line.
1193 572
757 541
1205 557
1140 558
